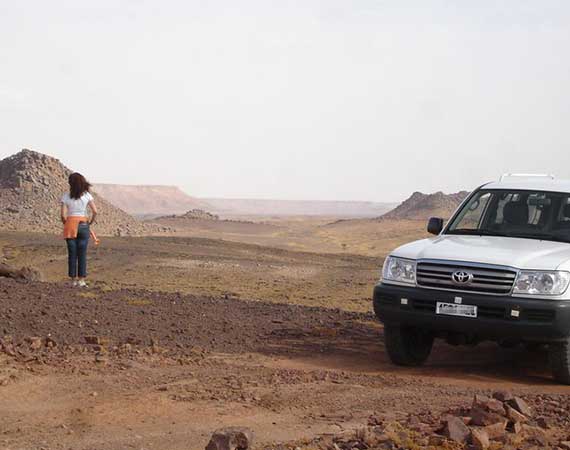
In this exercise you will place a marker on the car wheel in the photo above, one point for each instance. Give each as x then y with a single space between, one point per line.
559 356
407 346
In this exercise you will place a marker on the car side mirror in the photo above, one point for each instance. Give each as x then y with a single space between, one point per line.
435 225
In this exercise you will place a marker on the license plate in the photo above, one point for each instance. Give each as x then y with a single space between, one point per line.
453 309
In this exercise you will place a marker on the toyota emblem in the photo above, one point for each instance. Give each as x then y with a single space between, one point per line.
462 277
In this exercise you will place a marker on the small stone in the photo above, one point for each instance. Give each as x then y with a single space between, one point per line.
497 430
488 404
503 396
517 428
435 440
92 340
480 401
480 439
456 430
515 416
495 406
521 406
232 438
482 418
564 445
544 422
534 432
100 358
35 343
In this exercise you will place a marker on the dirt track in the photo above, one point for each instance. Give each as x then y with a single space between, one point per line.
170 368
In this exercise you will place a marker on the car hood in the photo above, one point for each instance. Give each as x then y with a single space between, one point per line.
504 251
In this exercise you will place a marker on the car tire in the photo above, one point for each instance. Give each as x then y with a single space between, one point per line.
559 356
407 346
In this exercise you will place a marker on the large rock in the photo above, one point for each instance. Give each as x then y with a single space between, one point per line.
232 438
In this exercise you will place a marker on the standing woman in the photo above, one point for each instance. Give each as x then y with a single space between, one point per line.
76 221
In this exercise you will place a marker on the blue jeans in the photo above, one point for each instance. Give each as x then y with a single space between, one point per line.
77 252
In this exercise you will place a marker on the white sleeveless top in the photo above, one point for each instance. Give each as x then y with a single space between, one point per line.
77 207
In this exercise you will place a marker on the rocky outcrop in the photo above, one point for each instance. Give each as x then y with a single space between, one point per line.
31 186
194 214
422 206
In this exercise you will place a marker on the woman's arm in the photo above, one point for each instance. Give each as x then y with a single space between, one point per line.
93 211
63 213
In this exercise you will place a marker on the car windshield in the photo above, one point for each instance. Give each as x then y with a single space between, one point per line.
522 214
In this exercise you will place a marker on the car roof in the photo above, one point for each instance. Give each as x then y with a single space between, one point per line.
534 184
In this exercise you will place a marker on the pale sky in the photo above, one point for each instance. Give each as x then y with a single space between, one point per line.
307 99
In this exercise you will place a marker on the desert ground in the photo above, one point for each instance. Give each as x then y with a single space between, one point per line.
266 325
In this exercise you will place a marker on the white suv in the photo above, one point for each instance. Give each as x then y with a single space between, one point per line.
498 270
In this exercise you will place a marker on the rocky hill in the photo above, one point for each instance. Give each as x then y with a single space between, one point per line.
149 200
422 206
31 186
193 214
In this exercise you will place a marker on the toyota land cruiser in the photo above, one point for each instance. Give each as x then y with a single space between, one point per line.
498 270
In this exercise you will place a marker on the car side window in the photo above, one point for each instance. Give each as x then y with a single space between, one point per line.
563 216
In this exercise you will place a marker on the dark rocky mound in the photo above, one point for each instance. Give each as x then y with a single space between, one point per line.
193 214
31 186
422 206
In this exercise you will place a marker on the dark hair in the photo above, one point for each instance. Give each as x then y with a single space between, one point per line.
78 185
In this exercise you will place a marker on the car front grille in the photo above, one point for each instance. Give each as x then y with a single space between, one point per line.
487 280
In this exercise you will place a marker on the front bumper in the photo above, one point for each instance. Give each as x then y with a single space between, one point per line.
537 320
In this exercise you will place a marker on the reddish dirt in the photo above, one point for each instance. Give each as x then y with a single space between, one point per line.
164 370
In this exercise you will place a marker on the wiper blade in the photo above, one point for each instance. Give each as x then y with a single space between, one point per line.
478 232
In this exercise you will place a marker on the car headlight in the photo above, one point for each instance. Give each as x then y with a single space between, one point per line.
399 269
541 283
